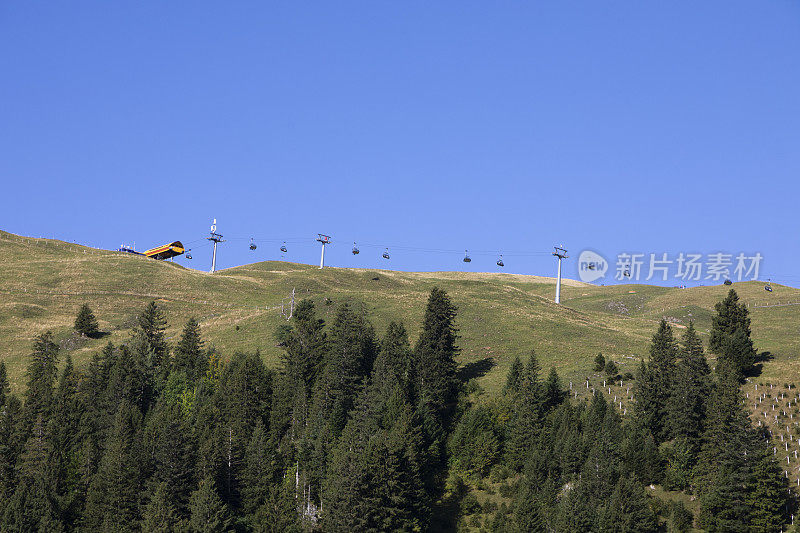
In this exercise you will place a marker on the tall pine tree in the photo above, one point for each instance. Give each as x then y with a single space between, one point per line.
41 373
153 323
209 513
170 449
685 410
526 416
189 351
435 353
730 334
740 485
655 382
113 498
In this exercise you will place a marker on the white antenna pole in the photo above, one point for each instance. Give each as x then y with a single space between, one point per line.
215 238
324 239
561 253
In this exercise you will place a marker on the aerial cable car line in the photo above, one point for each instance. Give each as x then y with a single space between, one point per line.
256 240
356 249
305 241
323 239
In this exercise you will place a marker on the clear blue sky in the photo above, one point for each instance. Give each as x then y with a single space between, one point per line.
509 126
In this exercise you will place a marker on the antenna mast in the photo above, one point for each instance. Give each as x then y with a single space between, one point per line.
324 239
561 253
215 238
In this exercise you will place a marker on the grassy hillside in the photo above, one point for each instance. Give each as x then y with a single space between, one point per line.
43 283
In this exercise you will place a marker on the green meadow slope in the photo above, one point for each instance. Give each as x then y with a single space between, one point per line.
43 283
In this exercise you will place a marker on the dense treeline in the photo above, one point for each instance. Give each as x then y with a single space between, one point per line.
348 434
577 466
357 431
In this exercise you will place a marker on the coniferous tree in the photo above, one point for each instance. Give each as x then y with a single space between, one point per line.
576 511
722 469
691 352
655 382
530 513
257 471
10 413
86 322
350 357
209 514
376 479
526 415
278 514
646 405
130 378
552 392
160 516
768 499
663 357
435 353
475 444
305 346
189 351
685 410
32 506
170 450
628 511
41 373
730 334
119 446
5 389
95 415
153 323
514 375
603 465
351 353
242 398
305 350
599 363
735 467
376 482
393 364
92 389
113 500
641 455
65 460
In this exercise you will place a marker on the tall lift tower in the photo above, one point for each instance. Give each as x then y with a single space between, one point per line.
324 239
216 238
561 253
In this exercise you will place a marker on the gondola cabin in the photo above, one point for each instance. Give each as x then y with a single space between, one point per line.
166 251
